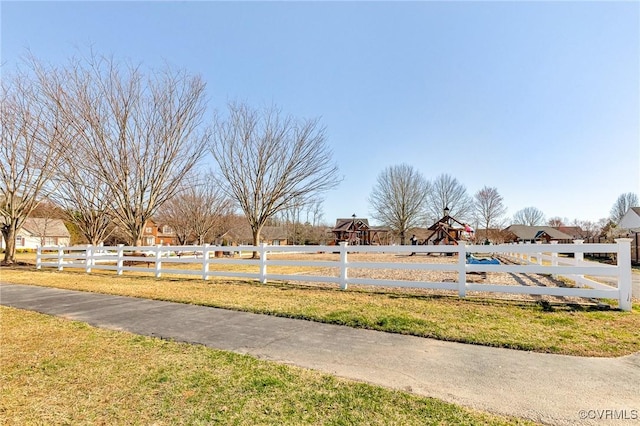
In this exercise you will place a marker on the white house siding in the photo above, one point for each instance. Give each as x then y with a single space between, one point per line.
631 220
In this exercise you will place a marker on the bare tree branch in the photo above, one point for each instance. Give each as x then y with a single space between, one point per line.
265 160
139 136
446 191
197 210
530 216
399 199
33 138
623 203
489 207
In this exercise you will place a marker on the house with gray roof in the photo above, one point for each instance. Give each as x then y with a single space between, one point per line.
631 220
41 232
532 234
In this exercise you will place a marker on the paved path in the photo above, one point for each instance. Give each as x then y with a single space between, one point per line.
635 284
547 388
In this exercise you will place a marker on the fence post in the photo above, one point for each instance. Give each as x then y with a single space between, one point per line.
158 261
343 265
539 255
120 260
521 254
462 269
554 258
38 257
578 257
624 273
60 257
578 260
205 262
263 263
88 253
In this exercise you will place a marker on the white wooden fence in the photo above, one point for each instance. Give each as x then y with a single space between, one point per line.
545 259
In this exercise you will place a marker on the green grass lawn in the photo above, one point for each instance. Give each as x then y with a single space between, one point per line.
562 329
60 372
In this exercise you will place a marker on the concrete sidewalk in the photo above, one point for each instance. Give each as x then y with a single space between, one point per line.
552 389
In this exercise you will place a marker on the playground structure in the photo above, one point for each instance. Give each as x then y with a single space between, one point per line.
449 231
356 231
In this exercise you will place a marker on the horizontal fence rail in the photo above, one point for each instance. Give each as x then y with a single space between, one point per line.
207 261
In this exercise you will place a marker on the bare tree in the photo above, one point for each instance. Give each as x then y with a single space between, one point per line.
86 198
555 222
139 135
290 218
589 229
207 204
316 212
265 160
32 139
622 205
489 207
399 199
446 191
301 220
530 216
175 214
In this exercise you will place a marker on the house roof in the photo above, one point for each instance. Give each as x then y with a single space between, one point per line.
574 231
445 220
631 219
346 224
45 227
525 232
380 228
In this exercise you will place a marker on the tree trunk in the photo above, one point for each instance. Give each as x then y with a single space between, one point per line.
256 240
136 232
9 235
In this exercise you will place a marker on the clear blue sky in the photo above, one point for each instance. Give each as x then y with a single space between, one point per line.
538 99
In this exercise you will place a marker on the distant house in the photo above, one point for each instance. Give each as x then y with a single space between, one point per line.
631 220
41 232
493 236
155 234
574 231
532 234
166 236
274 235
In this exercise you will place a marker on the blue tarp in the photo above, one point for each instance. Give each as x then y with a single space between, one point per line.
482 260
